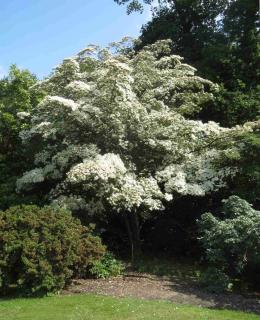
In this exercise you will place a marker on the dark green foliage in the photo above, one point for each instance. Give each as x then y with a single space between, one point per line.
90 251
241 24
9 171
190 24
219 37
42 248
16 95
232 244
233 107
107 267
247 184
215 280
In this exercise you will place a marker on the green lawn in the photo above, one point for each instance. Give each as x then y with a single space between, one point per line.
88 307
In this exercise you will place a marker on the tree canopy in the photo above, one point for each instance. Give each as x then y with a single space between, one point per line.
114 134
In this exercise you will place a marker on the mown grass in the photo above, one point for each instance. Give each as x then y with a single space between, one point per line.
93 307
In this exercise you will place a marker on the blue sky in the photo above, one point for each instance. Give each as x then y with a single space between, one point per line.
38 34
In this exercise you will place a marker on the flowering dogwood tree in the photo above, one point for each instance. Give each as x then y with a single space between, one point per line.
114 134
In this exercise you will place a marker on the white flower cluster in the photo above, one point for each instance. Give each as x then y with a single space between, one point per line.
72 202
73 153
37 175
197 176
104 167
58 102
23 114
131 193
44 128
78 89
29 178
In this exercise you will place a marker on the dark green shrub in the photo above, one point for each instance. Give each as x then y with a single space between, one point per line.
89 251
107 267
215 280
232 244
42 248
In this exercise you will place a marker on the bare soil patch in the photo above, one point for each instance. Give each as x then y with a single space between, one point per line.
147 286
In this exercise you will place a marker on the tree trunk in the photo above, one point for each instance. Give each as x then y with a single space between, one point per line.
133 230
130 236
136 234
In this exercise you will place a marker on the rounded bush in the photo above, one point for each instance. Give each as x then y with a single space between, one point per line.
42 248
232 242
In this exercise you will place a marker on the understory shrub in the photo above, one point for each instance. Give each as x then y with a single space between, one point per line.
232 243
42 248
215 280
107 267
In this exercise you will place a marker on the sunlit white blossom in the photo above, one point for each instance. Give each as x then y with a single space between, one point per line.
115 132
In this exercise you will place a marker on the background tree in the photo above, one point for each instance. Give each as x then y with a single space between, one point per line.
16 101
221 39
